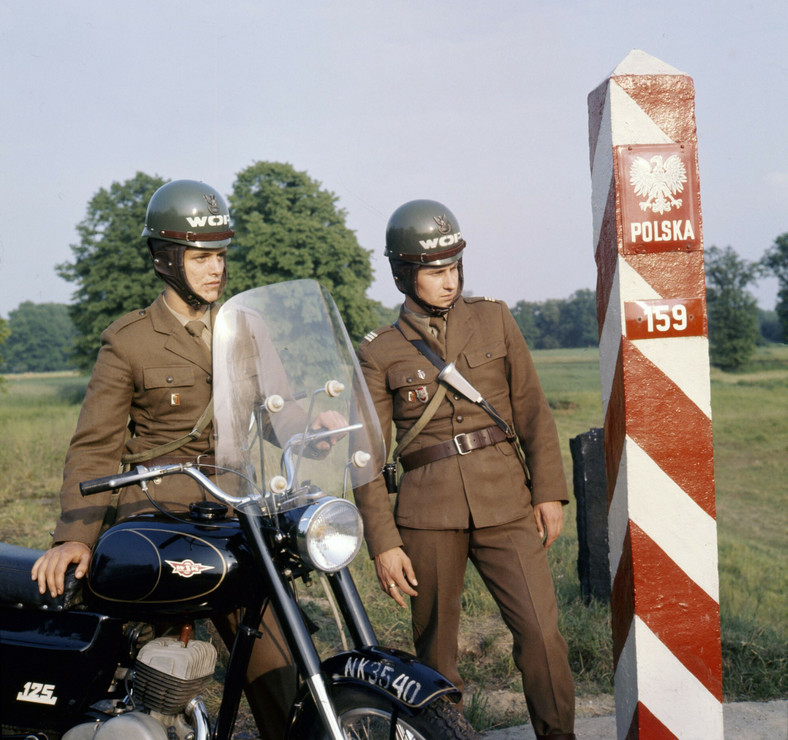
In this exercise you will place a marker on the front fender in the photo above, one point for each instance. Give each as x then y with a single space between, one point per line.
408 682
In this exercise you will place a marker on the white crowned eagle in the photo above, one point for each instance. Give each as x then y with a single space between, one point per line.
659 181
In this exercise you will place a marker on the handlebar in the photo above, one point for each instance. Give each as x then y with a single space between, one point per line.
141 474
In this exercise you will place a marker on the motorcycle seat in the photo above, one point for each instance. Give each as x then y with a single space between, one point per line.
18 589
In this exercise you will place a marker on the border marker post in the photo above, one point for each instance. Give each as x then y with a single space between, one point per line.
656 398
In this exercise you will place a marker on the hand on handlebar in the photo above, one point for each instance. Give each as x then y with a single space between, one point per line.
328 420
50 569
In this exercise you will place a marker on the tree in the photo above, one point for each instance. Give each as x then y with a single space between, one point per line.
770 327
524 313
732 311
557 323
775 262
579 326
112 267
384 315
287 228
41 338
4 332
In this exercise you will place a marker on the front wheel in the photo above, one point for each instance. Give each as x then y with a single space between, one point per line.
367 715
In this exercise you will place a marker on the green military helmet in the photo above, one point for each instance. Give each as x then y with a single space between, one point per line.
189 213
424 232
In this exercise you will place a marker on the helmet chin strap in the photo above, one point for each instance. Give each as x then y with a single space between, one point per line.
168 264
407 285
192 298
428 307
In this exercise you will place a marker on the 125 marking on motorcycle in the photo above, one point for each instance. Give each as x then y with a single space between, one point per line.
38 693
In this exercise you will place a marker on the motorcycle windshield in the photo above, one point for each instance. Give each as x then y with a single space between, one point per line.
292 414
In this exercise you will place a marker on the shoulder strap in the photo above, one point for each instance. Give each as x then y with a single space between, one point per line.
422 347
421 422
165 449
432 406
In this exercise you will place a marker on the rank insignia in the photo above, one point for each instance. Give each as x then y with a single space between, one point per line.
422 394
421 374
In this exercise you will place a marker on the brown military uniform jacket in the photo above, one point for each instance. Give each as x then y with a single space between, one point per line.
487 486
151 371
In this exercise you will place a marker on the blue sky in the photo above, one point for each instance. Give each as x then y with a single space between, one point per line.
480 106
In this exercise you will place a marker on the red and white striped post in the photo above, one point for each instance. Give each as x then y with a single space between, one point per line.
654 366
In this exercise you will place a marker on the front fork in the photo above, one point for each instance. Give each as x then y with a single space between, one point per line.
296 634
409 684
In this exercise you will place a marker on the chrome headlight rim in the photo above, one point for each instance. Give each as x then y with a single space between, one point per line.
329 534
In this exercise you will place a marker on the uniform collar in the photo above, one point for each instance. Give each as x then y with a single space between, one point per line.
165 321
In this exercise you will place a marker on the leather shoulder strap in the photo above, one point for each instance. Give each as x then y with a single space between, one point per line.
165 449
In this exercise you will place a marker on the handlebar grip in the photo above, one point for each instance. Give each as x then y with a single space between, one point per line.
99 485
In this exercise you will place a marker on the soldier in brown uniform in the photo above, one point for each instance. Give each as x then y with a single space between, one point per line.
465 493
153 376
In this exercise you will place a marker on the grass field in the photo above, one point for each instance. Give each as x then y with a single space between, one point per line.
750 423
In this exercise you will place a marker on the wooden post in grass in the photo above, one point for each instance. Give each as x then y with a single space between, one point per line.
654 366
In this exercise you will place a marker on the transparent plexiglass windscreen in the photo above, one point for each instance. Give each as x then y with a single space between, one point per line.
292 415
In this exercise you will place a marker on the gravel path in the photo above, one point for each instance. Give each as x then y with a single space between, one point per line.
742 721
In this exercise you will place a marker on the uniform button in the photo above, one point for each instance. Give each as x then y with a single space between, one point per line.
209 380
489 354
456 397
409 380
169 378
459 419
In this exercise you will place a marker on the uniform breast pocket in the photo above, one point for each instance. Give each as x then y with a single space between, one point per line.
166 386
412 386
487 373
485 355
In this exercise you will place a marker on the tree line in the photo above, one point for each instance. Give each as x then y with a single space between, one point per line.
288 227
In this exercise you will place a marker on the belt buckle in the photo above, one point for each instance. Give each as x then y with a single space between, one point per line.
457 444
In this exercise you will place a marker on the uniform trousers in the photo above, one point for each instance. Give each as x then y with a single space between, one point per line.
271 676
513 565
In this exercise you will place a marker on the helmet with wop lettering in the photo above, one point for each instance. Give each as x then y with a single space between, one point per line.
185 214
419 234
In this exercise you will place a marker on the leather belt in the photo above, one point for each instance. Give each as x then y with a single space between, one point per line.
461 444
204 463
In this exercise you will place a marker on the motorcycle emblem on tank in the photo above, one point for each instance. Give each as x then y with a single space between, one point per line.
187 568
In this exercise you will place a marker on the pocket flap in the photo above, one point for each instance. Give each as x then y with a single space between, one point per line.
477 357
168 377
401 376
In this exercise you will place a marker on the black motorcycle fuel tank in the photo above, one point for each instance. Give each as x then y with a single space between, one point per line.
152 565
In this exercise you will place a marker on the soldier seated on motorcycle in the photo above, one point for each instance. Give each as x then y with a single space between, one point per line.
153 376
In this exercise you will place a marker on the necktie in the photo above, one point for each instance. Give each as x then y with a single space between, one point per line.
196 328
438 327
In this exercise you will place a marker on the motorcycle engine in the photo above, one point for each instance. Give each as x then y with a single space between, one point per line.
168 676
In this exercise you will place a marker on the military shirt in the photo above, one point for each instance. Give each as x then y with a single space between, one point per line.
487 486
150 374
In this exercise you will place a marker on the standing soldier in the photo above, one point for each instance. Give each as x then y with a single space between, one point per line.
468 491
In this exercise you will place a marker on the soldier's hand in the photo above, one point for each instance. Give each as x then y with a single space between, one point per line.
549 521
50 569
395 574
328 420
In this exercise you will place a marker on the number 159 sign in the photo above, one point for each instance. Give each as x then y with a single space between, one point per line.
658 319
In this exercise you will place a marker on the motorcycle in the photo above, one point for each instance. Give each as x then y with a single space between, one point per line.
116 655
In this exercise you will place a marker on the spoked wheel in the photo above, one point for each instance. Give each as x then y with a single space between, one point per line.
366 715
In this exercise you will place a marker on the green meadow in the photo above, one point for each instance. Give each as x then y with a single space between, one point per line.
750 424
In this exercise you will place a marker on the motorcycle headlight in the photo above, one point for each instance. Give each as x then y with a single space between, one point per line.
329 534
